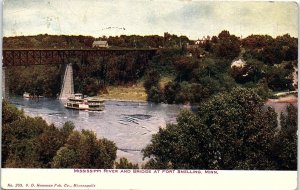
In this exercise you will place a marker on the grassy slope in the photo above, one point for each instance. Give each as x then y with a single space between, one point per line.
131 93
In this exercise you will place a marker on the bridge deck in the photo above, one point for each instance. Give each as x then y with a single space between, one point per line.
20 57
80 49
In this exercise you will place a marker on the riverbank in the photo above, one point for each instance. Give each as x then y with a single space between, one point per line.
133 93
130 93
287 99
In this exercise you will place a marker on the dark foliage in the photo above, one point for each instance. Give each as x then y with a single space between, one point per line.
284 149
31 143
237 120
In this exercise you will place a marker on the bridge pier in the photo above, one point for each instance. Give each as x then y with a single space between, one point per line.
67 87
5 89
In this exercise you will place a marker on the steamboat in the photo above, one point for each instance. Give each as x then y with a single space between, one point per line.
79 102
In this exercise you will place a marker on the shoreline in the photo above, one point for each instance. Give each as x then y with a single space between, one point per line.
124 100
287 99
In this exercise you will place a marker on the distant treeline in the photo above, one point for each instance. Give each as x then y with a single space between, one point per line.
197 70
45 41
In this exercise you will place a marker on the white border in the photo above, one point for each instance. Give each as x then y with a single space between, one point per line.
147 179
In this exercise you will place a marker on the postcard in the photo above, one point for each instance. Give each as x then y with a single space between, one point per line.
149 94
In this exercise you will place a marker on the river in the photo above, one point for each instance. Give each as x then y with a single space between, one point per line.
129 124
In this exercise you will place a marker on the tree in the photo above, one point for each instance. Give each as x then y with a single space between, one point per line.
84 150
184 95
238 120
65 158
284 150
125 164
49 142
38 80
151 79
256 41
269 50
22 138
170 92
278 78
184 67
232 130
67 129
154 95
252 71
163 61
10 113
228 46
152 86
181 146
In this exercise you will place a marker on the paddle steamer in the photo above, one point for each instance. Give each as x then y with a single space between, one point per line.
79 102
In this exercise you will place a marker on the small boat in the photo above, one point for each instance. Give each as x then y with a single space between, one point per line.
79 102
26 95
30 96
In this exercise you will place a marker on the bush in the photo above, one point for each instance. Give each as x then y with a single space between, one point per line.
154 95
170 91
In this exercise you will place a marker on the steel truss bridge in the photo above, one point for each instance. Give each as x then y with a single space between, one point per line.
26 57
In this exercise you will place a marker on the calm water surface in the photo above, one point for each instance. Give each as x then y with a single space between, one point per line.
129 124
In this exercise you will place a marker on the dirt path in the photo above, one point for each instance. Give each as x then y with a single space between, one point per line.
288 99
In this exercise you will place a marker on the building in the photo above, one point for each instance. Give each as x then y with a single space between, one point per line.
195 50
191 47
238 63
100 44
198 42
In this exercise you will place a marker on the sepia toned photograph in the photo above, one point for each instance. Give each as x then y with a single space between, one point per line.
146 85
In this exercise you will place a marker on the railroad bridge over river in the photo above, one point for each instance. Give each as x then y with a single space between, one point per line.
29 57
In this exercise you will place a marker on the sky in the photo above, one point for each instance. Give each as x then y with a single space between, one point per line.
193 19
